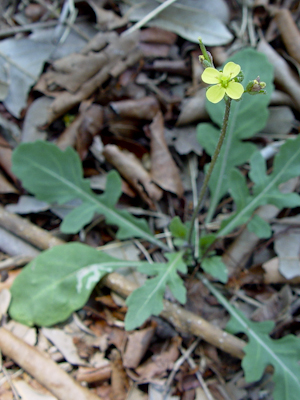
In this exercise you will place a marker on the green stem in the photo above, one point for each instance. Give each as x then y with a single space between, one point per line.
210 169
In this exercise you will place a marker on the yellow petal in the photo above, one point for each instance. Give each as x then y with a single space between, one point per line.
215 93
231 69
234 90
211 75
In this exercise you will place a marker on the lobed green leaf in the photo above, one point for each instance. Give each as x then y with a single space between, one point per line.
148 299
56 176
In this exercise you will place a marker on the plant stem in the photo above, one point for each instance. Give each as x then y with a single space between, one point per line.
210 168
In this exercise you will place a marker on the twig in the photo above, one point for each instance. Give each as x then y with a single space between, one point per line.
14 262
26 230
200 379
183 320
177 365
43 369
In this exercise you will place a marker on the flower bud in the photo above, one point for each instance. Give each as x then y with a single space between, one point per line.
256 87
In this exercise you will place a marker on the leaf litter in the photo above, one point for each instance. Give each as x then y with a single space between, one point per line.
133 93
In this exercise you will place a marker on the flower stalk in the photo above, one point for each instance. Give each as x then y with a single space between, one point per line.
210 169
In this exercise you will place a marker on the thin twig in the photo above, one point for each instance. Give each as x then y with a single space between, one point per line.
149 16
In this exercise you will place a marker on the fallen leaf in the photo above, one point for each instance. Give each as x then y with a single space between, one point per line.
21 62
188 19
64 343
289 32
159 364
137 345
35 119
144 108
287 247
164 171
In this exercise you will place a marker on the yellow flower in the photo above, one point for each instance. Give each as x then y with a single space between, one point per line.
223 82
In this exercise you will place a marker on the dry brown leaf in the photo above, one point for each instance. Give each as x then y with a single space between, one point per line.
193 109
289 32
275 307
145 108
137 345
158 365
82 74
107 19
272 274
164 171
133 171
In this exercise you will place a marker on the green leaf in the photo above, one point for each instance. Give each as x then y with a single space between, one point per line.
215 267
177 228
260 227
60 281
148 299
265 189
56 176
283 354
247 117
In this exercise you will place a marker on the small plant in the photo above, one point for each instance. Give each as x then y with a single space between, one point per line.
61 279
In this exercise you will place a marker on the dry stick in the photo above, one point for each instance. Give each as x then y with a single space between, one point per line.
23 228
183 320
43 369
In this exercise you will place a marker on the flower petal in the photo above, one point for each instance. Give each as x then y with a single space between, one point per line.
234 90
215 93
211 75
231 69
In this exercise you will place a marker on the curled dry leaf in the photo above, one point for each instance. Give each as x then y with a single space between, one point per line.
289 32
133 171
164 171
